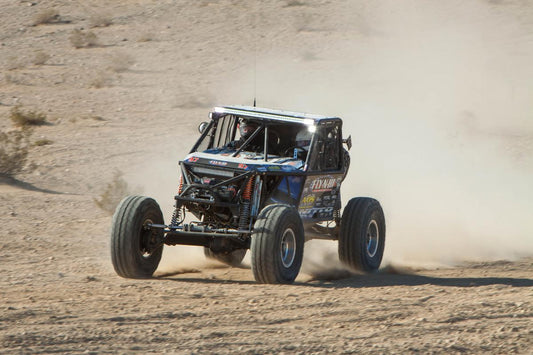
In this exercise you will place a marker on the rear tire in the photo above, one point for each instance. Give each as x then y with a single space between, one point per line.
362 235
233 258
136 250
277 245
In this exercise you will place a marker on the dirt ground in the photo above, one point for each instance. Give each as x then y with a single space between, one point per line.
132 103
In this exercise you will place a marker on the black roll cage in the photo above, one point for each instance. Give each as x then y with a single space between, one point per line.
264 126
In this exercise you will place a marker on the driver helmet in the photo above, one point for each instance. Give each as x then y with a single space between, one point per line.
303 139
247 128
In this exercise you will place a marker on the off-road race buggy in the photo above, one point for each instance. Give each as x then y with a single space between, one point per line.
258 179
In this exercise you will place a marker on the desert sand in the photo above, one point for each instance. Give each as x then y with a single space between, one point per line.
436 95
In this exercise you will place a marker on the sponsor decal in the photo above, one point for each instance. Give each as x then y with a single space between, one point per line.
193 159
323 184
243 166
218 162
308 200
274 168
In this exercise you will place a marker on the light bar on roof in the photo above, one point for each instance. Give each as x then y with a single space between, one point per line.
268 116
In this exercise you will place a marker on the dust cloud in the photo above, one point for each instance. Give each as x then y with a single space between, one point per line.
437 98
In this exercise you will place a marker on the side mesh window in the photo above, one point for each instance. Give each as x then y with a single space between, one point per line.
225 131
205 142
220 133
326 149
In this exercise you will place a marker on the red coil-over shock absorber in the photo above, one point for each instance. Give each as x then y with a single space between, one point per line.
246 200
247 193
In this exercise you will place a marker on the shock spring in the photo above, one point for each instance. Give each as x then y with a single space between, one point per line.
247 193
245 210
177 216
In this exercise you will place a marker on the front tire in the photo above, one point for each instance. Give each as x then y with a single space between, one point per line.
135 249
362 235
277 245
